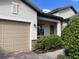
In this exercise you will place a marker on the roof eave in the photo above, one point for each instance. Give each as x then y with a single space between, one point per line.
40 13
50 16
31 6
52 12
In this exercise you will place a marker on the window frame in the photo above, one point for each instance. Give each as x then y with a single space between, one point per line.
40 29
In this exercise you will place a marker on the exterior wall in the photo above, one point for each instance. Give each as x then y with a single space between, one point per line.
47 27
25 14
67 13
64 24
57 25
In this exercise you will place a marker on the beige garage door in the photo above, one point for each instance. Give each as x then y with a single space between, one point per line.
14 36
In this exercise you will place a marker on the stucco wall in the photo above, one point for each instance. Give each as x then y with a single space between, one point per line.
57 25
64 24
47 26
25 13
65 13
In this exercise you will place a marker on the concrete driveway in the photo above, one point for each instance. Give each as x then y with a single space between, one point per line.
32 55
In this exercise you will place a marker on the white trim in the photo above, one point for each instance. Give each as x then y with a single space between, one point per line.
48 19
30 37
59 28
13 18
15 8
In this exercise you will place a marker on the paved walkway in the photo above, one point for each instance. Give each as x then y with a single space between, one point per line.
53 55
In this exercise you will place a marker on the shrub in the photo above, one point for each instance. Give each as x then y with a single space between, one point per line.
63 57
48 42
70 38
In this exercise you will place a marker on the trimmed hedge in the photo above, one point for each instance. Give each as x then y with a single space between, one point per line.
70 38
48 42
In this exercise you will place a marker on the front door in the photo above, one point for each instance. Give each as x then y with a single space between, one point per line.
51 29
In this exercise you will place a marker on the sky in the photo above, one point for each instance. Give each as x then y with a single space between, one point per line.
48 5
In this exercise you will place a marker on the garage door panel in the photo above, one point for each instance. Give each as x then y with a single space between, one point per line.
0 31
1 35
16 36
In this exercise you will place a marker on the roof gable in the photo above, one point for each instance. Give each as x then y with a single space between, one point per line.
39 12
63 8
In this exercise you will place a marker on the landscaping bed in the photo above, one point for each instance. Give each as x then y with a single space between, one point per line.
48 44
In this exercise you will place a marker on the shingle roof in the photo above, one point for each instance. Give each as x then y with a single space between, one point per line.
63 8
30 4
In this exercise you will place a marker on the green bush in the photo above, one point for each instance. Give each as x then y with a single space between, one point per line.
63 57
48 42
70 38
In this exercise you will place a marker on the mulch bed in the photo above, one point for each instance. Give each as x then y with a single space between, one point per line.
38 51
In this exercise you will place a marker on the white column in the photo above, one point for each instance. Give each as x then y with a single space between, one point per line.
59 28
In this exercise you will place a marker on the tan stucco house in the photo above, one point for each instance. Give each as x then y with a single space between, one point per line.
21 22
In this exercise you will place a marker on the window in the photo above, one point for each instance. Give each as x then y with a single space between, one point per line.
51 29
40 29
15 7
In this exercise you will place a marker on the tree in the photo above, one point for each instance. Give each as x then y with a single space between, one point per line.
70 38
